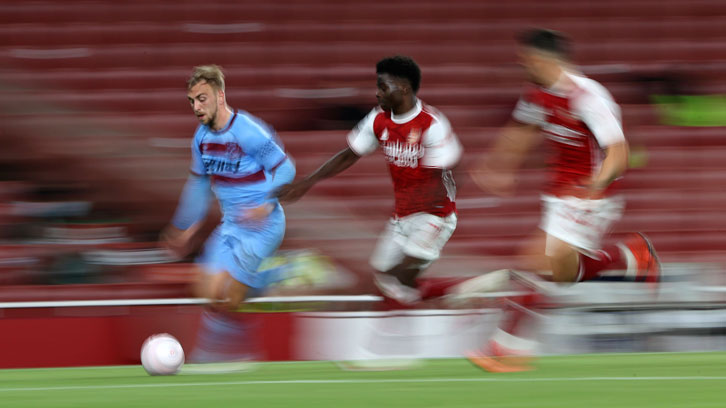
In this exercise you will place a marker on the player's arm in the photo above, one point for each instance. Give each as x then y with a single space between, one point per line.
335 165
193 203
495 171
519 136
191 211
262 144
604 123
613 166
361 141
282 176
442 149
512 146
192 208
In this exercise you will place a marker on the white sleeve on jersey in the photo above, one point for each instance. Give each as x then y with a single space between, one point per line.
529 113
442 148
362 139
602 117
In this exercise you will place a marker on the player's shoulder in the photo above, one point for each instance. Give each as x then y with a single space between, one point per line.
432 111
200 131
378 113
589 89
246 123
435 115
376 118
534 94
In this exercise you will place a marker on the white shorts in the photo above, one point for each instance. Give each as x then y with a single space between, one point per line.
579 222
419 235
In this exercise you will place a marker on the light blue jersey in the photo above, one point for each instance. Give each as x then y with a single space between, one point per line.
240 159
245 162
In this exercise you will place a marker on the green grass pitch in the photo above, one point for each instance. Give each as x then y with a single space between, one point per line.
688 380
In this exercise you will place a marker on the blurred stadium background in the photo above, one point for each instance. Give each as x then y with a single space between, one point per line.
95 131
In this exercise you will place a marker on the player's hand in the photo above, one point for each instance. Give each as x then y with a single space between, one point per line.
292 192
256 214
590 189
501 183
177 240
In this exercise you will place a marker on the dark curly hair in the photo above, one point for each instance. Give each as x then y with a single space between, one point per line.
401 67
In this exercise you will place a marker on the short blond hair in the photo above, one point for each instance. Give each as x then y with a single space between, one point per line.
211 74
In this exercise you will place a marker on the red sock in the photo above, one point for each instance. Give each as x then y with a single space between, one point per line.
437 287
516 309
606 259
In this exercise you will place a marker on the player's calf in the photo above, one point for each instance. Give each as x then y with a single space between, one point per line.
633 260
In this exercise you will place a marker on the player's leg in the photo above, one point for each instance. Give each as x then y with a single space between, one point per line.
407 270
231 275
393 275
216 328
531 257
573 230
512 345
406 248
633 259
382 339
566 226
563 259
581 226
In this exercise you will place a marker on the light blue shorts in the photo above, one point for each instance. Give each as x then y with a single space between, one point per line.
239 249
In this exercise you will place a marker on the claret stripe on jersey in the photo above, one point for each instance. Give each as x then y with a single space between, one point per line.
259 176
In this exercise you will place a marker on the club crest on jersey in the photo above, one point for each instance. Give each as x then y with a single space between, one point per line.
414 136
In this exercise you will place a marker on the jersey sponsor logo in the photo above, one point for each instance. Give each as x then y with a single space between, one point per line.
216 165
403 154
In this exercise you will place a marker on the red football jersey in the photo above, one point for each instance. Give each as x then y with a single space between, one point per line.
579 118
420 148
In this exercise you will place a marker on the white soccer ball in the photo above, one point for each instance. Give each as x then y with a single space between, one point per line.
162 354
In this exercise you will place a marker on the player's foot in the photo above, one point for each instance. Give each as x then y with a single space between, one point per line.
646 258
495 364
497 358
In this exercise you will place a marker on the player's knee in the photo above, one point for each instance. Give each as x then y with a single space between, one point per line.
200 284
408 270
563 276
564 268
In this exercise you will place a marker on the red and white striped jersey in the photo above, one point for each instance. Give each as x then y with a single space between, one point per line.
421 148
579 119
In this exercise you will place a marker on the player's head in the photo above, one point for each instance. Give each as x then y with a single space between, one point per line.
205 92
543 54
398 78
